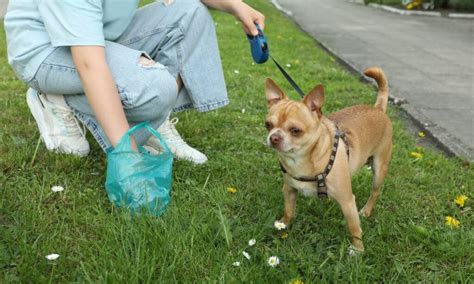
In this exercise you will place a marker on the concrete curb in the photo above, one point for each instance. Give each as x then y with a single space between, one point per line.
280 8
461 16
404 12
445 142
419 13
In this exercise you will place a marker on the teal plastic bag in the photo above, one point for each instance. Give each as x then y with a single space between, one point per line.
139 181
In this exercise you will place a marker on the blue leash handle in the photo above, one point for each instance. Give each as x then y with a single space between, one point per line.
259 46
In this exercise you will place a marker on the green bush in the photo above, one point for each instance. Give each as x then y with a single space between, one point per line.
462 4
441 3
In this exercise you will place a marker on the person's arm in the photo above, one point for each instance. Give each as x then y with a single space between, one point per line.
243 12
101 91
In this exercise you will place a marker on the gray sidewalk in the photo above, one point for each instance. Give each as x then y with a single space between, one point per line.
3 7
429 61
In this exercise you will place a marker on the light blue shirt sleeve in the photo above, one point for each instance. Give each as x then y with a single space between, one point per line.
73 22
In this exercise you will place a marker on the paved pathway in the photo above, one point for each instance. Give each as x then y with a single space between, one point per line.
429 61
3 7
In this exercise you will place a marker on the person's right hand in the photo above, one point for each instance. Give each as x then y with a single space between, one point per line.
248 16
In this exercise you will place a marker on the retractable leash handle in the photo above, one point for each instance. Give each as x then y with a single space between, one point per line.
259 46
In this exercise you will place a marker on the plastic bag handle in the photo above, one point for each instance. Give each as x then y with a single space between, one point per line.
147 126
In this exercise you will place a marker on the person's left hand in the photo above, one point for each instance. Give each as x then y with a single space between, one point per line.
249 17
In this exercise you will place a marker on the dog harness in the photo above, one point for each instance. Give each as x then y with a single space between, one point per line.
320 179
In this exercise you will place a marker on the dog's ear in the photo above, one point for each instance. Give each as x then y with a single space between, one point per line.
273 92
314 100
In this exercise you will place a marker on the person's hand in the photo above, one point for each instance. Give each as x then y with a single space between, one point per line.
248 16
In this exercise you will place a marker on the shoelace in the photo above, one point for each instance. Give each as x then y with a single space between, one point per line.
73 126
170 133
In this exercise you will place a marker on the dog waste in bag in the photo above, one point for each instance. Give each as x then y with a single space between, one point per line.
139 181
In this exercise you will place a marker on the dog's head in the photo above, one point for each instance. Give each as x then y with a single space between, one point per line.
292 126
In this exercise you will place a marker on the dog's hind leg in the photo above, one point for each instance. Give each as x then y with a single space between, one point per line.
380 163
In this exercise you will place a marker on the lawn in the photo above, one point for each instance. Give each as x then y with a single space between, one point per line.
206 228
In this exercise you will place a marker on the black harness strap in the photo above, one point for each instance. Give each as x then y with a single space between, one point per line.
320 179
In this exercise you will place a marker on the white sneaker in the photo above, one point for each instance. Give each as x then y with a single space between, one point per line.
177 145
59 128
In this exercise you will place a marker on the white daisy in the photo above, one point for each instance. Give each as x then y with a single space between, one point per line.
57 188
279 225
252 242
246 254
52 256
273 261
236 72
243 110
288 65
236 264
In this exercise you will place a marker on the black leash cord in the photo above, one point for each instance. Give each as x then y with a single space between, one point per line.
288 77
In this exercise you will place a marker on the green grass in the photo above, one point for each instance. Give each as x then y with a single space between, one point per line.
205 229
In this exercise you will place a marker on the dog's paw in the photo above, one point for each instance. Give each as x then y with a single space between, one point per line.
353 251
364 212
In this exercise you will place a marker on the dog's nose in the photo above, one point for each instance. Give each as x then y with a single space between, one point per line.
275 139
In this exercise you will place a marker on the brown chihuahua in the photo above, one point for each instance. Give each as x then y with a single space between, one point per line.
318 155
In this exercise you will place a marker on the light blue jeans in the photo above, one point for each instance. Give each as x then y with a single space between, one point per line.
180 37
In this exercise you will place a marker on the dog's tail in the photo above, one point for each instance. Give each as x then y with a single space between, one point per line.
379 76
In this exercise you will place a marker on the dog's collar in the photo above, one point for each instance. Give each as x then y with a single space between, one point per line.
320 179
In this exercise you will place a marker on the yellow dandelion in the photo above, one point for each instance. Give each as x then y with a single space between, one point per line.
416 155
231 190
461 200
421 134
296 281
452 222
284 235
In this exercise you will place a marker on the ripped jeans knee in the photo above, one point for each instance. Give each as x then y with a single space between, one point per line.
145 61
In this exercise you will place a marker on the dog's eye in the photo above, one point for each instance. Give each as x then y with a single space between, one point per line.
295 131
268 125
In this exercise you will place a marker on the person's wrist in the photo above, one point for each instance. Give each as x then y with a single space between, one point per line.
235 7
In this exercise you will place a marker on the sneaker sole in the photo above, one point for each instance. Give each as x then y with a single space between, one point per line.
151 144
32 99
197 161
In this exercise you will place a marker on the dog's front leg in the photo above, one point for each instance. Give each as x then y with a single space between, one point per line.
289 195
349 209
